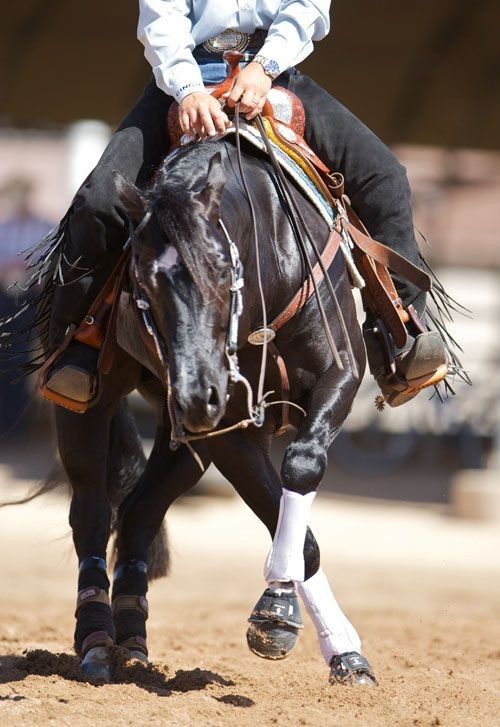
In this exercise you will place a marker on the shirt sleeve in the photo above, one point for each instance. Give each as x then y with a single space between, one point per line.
164 29
291 35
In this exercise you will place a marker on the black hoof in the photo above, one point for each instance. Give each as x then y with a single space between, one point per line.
352 669
271 640
96 667
275 624
136 655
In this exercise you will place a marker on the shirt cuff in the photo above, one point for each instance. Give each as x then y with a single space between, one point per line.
187 88
180 80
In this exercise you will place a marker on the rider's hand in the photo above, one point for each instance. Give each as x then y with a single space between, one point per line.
250 88
200 113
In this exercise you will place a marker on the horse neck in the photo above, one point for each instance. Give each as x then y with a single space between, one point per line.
280 262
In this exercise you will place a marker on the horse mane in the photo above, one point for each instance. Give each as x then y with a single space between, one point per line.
175 195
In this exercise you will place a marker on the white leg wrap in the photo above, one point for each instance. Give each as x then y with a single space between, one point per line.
285 561
336 634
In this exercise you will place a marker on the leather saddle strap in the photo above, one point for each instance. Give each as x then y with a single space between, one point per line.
92 329
379 252
285 388
108 350
378 300
295 305
307 290
422 280
389 258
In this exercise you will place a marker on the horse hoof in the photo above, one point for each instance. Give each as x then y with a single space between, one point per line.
272 640
96 667
136 655
352 669
275 623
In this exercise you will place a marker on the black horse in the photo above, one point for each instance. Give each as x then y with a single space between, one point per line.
191 231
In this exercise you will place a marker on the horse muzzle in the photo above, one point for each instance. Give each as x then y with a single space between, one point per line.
200 411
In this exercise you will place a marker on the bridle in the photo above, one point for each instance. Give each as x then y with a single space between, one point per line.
256 406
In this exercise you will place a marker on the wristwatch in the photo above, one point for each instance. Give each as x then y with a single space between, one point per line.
271 68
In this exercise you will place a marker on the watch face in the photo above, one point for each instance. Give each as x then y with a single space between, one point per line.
272 68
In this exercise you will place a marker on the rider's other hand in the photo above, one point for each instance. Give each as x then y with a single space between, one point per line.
201 114
250 88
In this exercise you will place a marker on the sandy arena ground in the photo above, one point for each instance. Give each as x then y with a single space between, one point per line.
422 589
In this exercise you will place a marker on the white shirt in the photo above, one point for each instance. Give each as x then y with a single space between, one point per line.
170 30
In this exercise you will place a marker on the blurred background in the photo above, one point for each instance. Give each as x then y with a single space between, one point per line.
424 76
408 515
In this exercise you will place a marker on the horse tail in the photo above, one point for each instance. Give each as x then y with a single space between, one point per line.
126 465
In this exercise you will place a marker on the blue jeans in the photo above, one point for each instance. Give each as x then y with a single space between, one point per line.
212 72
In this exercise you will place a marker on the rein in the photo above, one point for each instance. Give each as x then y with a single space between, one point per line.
265 335
256 410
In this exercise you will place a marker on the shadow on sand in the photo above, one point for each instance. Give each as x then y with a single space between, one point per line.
150 677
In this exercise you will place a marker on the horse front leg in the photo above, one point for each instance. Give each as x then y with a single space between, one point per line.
83 442
167 475
243 458
303 467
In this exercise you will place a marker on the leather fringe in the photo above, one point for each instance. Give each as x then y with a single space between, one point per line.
28 328
441 311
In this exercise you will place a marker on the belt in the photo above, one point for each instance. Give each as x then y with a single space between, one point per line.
231 39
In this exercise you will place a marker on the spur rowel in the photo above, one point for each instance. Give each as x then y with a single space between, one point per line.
352 669
275 623
96 666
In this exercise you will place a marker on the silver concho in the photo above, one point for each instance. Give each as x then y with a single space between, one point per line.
261 336
227 40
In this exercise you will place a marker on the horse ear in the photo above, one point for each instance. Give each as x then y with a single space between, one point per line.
211 194
131 197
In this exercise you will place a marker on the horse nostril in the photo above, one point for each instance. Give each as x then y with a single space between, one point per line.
212 398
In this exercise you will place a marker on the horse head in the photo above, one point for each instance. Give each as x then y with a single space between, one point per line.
182 268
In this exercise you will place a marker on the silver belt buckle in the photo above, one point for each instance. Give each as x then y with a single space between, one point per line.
229 39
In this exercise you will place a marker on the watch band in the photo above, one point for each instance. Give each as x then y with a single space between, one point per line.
271 68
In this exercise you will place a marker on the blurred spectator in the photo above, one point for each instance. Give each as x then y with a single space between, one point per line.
20 228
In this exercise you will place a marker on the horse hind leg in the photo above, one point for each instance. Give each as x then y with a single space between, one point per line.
94 631
168 475
90 519
130 608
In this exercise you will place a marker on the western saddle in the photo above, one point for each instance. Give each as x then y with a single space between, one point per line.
284 122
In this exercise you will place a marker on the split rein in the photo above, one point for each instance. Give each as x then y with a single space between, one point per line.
256 409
